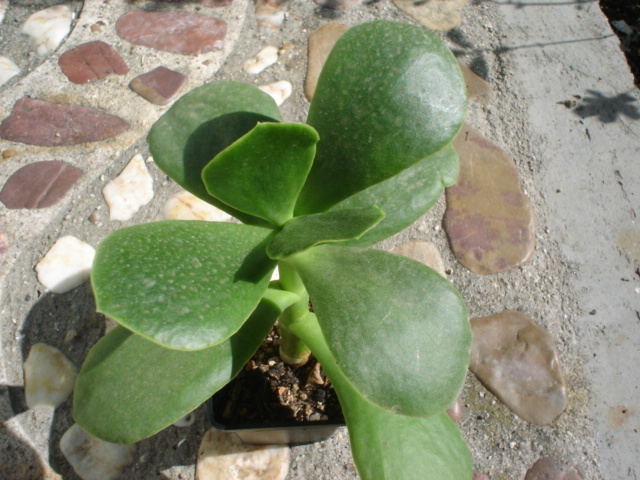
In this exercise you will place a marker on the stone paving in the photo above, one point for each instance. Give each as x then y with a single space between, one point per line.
75 167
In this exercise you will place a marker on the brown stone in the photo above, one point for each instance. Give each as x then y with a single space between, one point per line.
519 363
320 44
489 221
478 89
159 86
175 32
423 252
548 468
46 124
91 61
456 412
39 185
434 14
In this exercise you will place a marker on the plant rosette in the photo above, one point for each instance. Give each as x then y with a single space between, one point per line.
195 299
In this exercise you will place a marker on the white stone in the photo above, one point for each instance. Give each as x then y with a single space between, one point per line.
49 377
270 15
4 4
186 206
48 27
92 458
223 456
66 265
186 421
8 69
279 91
129 191
265 58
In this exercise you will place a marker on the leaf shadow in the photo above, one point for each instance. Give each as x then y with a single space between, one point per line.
608 109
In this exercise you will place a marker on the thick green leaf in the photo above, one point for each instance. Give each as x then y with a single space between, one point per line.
263 172
389 95
386 445
307 231
399 331
182 284
200 125
406 196
130 388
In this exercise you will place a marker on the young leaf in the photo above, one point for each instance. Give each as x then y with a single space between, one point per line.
130 388
200 125
398 330
401 101
262 173
405 196
385 445
304 232
182 284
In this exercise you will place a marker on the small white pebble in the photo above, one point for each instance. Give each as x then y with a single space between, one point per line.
265 58
186 421
129 191
4 4
66 265
49 376
48 27
8 69
279 91
185 206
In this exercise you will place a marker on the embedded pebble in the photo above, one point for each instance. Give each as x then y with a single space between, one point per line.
49 376
548 468
129 191
4 4
46 124
424 252
48 27
186 421
39 184
457 411
519 363
4 244
8 70
92 458
170 31
66 265
265 58
489 220
338 4
91 61
279 91
270 15
320 44
223 456
479 476
186 206
434 14
478 89
159 86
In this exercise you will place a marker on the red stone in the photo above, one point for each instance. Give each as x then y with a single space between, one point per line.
46 124
158 86
39 185
91 61
548 468
175 32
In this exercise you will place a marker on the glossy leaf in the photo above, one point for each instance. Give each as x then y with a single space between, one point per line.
200 125
399 331
386 445
402 100
307 231
182 284
130 388
405 196
262 173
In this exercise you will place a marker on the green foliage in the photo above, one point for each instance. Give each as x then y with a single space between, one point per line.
193 298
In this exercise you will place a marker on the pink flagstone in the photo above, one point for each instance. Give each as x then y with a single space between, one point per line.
39 185
175 32
158 86
46 124
91 61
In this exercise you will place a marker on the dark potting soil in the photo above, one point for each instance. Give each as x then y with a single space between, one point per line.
269 391
627 11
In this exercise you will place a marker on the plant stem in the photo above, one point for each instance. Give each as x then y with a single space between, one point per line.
293 351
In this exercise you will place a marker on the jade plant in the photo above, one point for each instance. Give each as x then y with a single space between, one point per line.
195 299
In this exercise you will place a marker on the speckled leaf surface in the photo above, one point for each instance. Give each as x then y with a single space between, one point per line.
262 173
398 330
307 231
406 196
130 388
183 284
200 125
378 116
